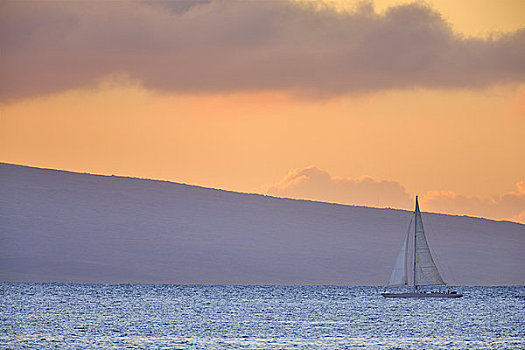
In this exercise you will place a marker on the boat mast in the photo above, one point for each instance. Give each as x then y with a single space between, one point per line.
415 235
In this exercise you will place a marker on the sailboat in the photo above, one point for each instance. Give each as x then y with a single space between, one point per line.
415 267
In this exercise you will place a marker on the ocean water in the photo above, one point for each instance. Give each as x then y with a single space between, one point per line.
74 316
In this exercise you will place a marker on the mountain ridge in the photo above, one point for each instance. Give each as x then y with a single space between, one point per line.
64 226
250 193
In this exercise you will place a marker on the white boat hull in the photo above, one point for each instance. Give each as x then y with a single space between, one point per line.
421 295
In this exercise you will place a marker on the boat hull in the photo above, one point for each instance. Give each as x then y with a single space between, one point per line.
422 295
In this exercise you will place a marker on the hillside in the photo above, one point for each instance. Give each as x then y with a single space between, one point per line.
70 227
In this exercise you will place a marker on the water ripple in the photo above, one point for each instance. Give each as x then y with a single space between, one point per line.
46 316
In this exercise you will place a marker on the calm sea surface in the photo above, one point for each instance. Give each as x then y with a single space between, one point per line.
46 316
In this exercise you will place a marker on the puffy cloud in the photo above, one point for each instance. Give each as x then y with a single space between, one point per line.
510 206
221 46
316 184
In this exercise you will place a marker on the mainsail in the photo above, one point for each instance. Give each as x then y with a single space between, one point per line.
414 264
425 270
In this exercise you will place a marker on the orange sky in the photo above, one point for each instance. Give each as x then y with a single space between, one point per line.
459 147
470 17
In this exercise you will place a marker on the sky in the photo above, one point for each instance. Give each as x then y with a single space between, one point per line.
354 102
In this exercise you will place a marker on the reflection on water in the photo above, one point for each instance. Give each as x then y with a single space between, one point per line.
255 317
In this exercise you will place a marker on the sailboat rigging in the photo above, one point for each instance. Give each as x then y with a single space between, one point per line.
415 266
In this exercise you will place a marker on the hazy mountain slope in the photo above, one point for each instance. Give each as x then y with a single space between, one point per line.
61 226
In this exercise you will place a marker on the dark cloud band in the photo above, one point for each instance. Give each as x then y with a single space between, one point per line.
223 46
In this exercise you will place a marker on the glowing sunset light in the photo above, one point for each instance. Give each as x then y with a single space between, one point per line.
361 105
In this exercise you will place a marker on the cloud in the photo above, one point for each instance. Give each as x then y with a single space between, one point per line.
316 184
510 206
224 46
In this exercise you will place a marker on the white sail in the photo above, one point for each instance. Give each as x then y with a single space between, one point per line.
426 272
401 273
